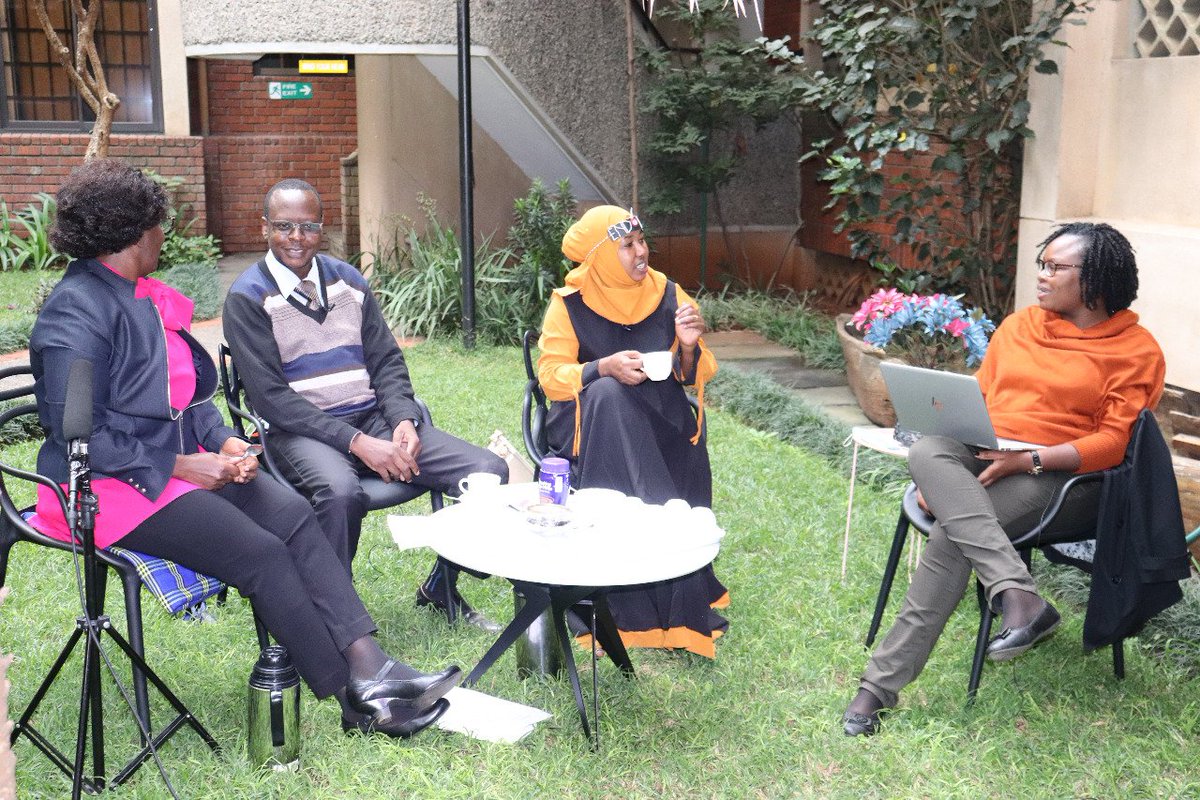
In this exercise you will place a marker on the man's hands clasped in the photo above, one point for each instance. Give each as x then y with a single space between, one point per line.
391 460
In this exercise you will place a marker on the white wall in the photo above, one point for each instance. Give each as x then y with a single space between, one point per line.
1118 140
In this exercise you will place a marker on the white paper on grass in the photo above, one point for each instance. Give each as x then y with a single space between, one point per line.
482 716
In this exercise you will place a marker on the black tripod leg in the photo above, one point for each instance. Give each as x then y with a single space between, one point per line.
184 715
89 706
40 694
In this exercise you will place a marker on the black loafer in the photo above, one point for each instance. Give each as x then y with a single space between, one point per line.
370 696
1012 642
461 609
860 724
397 725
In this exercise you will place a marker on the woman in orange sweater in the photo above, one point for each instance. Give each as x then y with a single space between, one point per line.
1072 373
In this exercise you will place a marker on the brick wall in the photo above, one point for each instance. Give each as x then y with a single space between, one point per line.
818 233
252 141
39 162
781 18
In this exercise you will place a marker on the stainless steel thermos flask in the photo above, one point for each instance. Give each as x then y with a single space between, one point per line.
273 712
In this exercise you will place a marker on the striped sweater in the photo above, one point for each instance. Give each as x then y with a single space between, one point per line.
311 372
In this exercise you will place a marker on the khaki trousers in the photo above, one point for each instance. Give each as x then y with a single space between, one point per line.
972 533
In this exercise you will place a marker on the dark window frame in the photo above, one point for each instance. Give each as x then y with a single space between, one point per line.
85 121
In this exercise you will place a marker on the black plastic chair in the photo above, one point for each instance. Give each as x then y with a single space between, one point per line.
14 529
1049 531
535 406
380 494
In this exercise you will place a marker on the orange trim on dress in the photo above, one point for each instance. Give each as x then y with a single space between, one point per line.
678 637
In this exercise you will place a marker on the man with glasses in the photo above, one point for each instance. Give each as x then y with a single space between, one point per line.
321 366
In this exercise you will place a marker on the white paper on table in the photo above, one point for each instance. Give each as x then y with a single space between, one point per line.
482 716
411 532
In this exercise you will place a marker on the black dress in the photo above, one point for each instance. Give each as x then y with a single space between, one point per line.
637 439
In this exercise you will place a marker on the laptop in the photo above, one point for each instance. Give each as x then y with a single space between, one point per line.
937 403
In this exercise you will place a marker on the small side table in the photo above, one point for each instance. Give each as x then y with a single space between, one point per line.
880 440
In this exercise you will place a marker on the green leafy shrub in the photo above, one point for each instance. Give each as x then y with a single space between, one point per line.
14 333
28 247
417 277
540 219
181 247
949 79
702 100
201 283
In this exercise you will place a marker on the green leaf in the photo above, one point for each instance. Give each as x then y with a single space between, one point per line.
1047 67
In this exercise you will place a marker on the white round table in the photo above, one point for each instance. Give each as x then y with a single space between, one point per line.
610 540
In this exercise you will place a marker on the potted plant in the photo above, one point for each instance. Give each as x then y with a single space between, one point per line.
935 331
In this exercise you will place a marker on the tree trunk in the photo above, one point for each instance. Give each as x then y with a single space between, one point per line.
102 130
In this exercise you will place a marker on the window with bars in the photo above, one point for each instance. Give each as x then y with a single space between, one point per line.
37 93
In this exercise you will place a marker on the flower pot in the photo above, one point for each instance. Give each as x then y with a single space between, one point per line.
862 373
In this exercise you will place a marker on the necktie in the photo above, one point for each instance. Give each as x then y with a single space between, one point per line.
309 290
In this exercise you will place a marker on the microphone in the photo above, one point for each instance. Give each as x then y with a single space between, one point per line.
77 411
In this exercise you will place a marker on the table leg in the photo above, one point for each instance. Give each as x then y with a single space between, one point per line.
609 636
849 510
537 600
564 639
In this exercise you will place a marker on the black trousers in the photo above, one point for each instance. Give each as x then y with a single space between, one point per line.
331 478
263 539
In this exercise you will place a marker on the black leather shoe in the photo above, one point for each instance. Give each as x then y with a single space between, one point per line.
370 696
461 609
860 724
397 725
1012 642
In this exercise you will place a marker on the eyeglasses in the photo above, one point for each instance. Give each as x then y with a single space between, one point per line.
286 226
625 227
1050 268
168 222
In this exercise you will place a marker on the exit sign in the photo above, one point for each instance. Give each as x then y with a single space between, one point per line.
328 66
289 90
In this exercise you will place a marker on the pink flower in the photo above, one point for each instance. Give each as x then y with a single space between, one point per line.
955 327
883 303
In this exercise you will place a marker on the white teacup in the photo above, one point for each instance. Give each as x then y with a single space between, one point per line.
478 484
657 365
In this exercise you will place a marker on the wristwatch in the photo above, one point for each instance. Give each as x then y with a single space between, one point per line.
1037 463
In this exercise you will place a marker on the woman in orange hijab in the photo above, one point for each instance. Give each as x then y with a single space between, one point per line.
622 429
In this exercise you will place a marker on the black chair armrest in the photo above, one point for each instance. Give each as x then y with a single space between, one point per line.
1044 532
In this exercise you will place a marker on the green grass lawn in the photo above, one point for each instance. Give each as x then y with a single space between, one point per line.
761 721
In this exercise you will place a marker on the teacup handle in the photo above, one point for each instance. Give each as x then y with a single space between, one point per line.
462 486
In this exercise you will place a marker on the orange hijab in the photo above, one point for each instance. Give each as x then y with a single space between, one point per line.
600 278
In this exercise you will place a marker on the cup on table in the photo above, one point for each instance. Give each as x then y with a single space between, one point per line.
657 365
477 485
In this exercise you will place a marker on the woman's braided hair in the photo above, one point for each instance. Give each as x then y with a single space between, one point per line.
1109 269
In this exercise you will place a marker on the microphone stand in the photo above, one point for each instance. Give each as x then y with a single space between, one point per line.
81 516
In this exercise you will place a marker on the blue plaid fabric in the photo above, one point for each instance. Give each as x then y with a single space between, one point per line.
175 586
